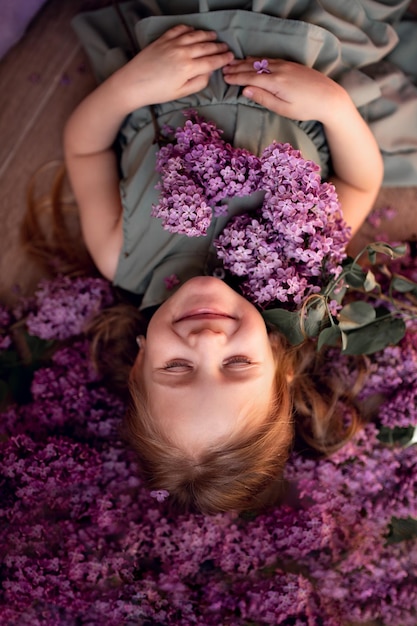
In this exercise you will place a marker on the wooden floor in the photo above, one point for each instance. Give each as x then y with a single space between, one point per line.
41 80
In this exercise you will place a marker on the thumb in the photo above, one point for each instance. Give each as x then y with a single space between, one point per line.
267 100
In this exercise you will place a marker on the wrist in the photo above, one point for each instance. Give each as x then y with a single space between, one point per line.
129 91
339 108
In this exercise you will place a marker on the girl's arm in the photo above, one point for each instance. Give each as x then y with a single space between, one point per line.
301 93
175 65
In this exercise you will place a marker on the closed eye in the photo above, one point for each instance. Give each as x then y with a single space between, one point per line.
178 366
186 366
237 361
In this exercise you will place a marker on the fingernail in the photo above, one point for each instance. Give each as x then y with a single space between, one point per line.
248 93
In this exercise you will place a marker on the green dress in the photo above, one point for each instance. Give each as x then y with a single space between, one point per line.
355 43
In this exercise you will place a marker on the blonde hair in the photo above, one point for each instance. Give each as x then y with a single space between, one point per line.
50 230
235 474
246 471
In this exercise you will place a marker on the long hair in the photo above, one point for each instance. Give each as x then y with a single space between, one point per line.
246 471
50 231
239 473
316 409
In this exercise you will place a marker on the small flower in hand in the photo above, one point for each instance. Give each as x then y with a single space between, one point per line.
261 67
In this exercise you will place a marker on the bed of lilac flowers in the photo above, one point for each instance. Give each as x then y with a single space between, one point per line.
83 540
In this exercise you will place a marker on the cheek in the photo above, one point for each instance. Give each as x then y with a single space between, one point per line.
256 331
158 330
161 345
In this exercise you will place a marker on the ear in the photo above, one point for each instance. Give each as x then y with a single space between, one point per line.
141 341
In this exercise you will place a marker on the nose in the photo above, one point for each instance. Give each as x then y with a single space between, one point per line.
212 329
206 337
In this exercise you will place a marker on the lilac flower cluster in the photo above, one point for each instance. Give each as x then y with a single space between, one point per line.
198 171
82 537
393 376
67 399
284 250
295 241
64 306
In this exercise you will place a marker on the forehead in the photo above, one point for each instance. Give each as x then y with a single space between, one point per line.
198 415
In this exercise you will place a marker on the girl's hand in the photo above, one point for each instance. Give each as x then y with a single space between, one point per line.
177 64
290 89
301 93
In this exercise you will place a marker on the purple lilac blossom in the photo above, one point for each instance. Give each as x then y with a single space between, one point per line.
65 306
171 281
393 377
286 249
198 171
297 238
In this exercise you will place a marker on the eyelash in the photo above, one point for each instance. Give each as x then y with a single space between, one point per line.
238 359
233 360
173 364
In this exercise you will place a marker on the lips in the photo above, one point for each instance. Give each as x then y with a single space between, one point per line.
204 314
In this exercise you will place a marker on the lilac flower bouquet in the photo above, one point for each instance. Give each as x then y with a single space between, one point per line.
288 255
82 539
282 252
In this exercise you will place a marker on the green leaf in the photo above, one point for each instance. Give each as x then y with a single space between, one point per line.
370 281
356 314
329 337
338 294
375 336
316 311
287 322
396 435
384 248
402 529
402 284
400 250
355 276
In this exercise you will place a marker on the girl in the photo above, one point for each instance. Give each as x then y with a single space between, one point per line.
213 390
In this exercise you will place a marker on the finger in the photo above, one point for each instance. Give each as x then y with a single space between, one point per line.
177 31
268 100
264 81
198 36
208 49
239 78
237 66
207 64
247 65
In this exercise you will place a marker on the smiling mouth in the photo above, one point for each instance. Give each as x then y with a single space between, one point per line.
206 314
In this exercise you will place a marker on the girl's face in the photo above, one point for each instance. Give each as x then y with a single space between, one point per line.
207 363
